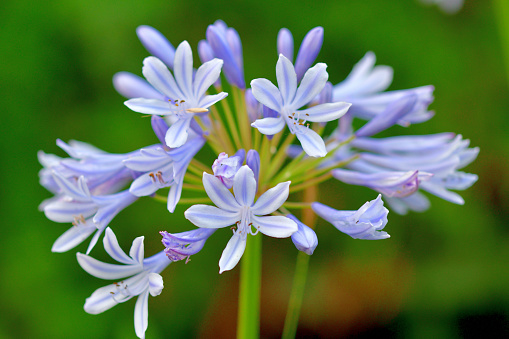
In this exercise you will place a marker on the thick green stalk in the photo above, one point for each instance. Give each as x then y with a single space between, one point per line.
248 325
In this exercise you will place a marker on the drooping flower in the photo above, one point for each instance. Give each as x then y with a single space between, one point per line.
183 245
242 211
183 96
365 223
142 278
288 99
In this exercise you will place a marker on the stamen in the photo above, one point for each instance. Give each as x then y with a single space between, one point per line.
151 174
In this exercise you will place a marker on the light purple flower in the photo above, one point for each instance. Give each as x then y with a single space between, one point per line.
391 184
184 96
142 275
87 212
160 168
288 99
364 88
182 245
225 167
305 238
365 223
242 211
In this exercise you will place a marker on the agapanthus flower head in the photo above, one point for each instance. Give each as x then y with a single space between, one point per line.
288 99
184 95
365 223
142 275
241 210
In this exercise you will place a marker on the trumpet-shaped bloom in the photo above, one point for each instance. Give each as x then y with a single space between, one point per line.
142 275
242 211
180 246
365 223
288 99
184 95
87 212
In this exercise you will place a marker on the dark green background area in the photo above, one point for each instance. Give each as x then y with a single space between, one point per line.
442 274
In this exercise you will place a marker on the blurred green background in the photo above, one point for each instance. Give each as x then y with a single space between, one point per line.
443 273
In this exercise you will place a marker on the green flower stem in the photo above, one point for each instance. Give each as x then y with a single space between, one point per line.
502 13
248 325
297 294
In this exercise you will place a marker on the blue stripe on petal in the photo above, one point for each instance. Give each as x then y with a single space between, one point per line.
244 186
286 79
219 194
211 216
272 199
232 253
275 226
265 92
149 106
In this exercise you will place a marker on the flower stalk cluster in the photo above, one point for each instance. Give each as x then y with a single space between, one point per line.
269 141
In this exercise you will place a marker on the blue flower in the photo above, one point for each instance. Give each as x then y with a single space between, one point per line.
183 96
182 245
241 211
288 99
225 167
142 275
161 168
365 223
364 88
87 212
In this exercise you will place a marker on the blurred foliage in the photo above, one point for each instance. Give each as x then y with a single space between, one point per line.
443 273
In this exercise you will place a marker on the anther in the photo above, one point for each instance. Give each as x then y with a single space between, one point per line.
151 174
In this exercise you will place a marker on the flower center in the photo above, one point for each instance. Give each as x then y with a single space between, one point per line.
293 120
182 111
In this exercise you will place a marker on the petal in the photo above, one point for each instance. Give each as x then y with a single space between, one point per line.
265 92
67 211
177 133
286 79
156 44
73 237
443 193
175 193
305 238
206 75
101 300
132 86
325 112
209 100
183 68
160 77
76 190
232 253
210 216
149 106
137 251
275 226
311 142
155 284
269 126
272 199
141 315
103 270
219 194
244 186
143 185
148 160
312 84
113 248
